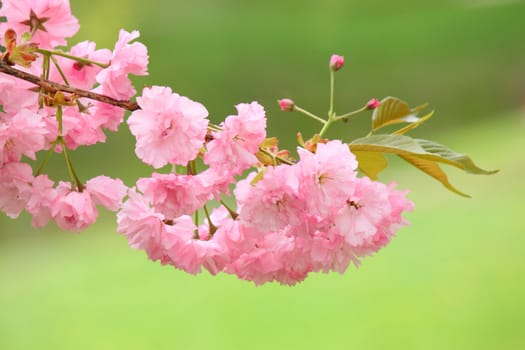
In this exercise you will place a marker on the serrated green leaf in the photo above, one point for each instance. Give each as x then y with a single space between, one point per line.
422 154
394 111
439 153
395 144
432 168
371 163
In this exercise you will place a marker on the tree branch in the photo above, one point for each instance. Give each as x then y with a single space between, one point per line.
51 86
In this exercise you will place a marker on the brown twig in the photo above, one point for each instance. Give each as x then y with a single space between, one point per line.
52 87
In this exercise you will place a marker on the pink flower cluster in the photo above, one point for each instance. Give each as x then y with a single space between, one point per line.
27 127
313 215
287 218
71 210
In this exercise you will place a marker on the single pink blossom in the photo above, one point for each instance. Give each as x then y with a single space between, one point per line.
80 128
185 251
371 216
326 177
105 115
23 134
16 95
50 21
15 188
81 75
169 128
273 202
142 226
72 210
233 149
40 201
106 191
127 58
174 195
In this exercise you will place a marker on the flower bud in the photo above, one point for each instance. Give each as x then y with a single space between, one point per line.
373 104
286 104
336 62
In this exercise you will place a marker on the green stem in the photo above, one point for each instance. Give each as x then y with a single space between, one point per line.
45 68
60 139
46 159
70 168
311 115
331 113
213 127
196 220
232 212
346 115
59 120
72 57
332 84
325 128
60 71
274 156
213 228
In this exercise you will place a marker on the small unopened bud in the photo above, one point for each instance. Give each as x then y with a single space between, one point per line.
286 104
373 104
336 62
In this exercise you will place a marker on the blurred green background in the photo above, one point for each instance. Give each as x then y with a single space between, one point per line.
453 280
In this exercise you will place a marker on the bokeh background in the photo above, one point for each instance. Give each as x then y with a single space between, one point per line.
453 280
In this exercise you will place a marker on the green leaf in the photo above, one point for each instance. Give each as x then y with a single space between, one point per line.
394 111
371 163
432 168
439 153
422 154
258 177
414 124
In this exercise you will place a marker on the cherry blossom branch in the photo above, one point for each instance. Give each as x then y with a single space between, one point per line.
72 57
51 86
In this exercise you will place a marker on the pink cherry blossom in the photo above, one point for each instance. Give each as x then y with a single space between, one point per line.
16 95
72 210
231 235
169 128
80 128
217 181
127 58
142 226
40 201
273 202
174 241
50 21
106 191
371 216
273 256
106 116
23 134
81 75
326 177
233 149
174 195
187 252
15 188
